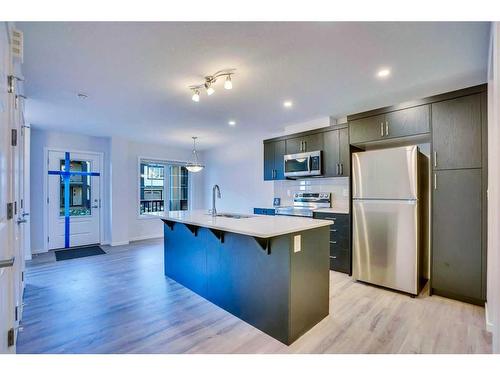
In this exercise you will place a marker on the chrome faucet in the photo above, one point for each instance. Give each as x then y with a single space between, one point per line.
215 188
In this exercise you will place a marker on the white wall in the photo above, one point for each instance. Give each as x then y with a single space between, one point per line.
64 141
493 282
120 178
238 169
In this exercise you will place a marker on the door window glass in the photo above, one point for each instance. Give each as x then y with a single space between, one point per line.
79 189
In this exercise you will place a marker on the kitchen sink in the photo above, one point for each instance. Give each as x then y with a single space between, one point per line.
234 216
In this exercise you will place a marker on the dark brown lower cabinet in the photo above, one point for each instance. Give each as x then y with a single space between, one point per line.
457 269
340 249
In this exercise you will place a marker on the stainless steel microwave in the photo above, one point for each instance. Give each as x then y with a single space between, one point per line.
303 164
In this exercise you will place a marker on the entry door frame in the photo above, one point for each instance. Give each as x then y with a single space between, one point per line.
46 191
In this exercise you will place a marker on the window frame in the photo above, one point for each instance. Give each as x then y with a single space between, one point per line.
166 187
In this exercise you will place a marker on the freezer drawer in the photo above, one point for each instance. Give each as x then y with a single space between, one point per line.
385 174
385 243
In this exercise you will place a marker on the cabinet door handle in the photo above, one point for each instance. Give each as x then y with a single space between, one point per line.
337 168
305 146
382 129
387 128
435 181
341 169
333 242
435 159
334 257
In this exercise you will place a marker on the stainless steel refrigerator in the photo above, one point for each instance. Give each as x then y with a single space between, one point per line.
386 223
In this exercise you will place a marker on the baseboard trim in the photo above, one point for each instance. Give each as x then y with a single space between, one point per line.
489 324
142 238
119 243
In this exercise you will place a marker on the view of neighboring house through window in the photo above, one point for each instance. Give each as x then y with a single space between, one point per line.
79 187
163 187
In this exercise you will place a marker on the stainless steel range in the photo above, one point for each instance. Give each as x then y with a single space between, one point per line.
305 203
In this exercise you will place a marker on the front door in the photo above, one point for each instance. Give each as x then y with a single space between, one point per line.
77 224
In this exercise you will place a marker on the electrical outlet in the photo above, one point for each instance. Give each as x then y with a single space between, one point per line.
297 243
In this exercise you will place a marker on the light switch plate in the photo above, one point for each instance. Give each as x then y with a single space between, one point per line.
297 242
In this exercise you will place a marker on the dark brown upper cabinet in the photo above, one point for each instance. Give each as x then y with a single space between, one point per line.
274 151
401 123
306 143
336 153
456 133
366 129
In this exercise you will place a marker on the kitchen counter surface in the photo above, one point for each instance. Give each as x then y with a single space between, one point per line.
255 225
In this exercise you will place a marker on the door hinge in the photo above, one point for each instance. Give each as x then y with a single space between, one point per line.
10 337
10 211
13 137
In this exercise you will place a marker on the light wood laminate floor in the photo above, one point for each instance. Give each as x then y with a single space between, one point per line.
122 303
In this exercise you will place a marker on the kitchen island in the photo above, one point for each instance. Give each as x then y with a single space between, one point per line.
270 271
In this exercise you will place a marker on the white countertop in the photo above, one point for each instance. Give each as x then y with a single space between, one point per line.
258 225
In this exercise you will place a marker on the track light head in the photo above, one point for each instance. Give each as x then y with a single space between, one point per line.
228 84
196 96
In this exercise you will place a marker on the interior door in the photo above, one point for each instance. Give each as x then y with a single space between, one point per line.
7 318
84 201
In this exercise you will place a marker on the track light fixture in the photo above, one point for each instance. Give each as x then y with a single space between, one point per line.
209 82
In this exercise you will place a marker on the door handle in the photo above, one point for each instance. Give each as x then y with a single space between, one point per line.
387 128
435 159
382 129
95 206
20 221
338 168
7 262
341 169
435 181
26 214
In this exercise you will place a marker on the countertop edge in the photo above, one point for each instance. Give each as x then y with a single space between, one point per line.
318 224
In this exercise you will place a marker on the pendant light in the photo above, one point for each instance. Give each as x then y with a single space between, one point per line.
195 165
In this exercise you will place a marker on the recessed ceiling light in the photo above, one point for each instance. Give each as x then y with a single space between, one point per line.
232 123
384 73
287 104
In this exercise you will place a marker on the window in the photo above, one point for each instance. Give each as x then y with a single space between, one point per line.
163 186
79 189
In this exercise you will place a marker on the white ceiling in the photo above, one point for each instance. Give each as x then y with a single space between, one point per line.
136 74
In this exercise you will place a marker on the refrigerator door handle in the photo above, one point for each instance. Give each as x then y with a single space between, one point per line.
382 129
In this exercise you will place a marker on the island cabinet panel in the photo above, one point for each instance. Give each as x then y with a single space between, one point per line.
456 235
456 133
280 286
244 280
274 164
185 252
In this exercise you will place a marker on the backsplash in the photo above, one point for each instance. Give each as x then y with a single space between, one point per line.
338 186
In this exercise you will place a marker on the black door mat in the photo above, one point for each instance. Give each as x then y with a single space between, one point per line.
79 252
